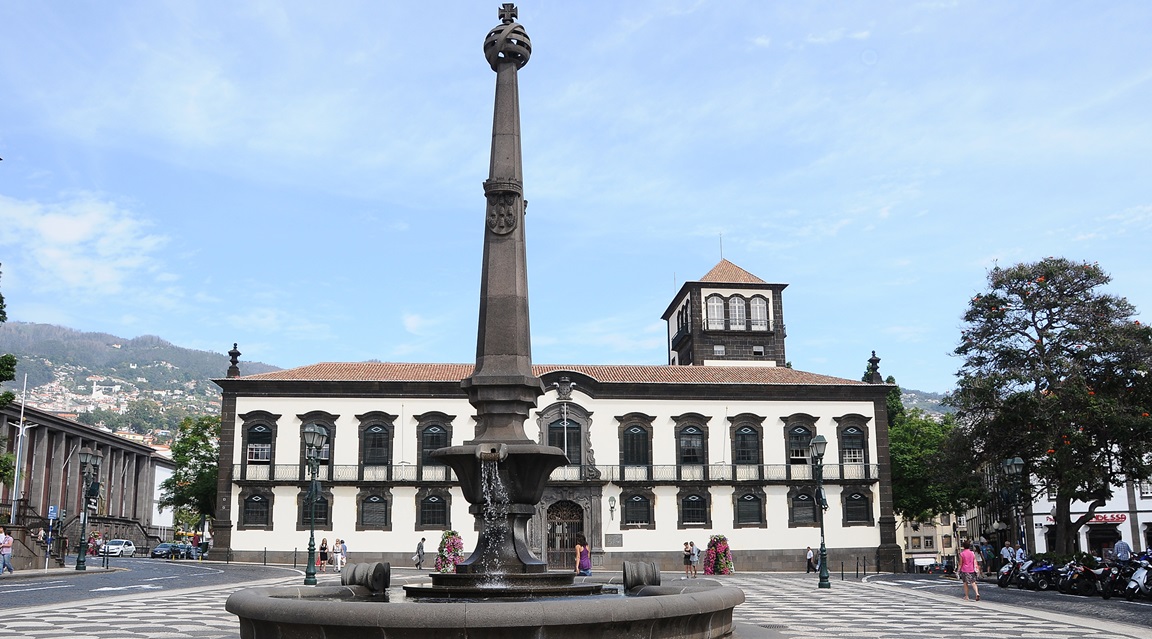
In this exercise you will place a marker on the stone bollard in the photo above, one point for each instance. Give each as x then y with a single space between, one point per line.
375 576
640 573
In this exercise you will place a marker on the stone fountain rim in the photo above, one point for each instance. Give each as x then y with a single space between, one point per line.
314 606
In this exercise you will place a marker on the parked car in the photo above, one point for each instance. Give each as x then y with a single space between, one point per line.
119 548
164 551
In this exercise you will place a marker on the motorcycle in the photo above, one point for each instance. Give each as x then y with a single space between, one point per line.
1042 576
1007 574
1022 574
1140 583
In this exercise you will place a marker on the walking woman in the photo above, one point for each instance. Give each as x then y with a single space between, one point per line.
968 569
323 553
583 556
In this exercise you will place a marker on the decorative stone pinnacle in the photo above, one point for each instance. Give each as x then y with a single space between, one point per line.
507 42
507 13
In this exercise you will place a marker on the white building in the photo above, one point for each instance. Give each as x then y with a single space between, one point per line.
659 455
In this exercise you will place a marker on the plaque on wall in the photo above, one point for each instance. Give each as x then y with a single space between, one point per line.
615 540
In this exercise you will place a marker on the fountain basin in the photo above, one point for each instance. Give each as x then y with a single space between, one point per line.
703 611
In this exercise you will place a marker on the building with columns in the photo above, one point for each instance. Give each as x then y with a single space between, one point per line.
714 443
50 475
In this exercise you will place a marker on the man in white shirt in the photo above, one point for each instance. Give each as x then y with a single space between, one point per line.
1021 554
1006 554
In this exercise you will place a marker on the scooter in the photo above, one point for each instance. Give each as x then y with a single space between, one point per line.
1140 583
1007 574
1022 574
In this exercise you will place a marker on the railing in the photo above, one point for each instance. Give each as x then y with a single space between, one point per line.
409 473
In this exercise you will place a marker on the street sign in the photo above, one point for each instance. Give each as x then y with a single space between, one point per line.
52 512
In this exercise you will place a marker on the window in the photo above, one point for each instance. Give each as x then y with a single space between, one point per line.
759 314
758 351
434 512
946 541
857 509
737 317
718 350
715 313
313 506
1146 489
799 440
432 437
374 512
945 519
256 511
691 443
565 435
929 543
803 509
634 447
852 445
377 445
746 446
749 510
915 543
637 511
694 510
259 444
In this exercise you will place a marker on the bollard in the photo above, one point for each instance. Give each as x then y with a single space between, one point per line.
265 555
841 571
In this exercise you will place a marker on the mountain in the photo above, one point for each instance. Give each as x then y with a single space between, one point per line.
928 402
71 371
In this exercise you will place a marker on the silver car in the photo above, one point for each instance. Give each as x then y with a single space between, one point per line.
119 548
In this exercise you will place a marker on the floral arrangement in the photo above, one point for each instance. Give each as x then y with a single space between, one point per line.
451 551
718 559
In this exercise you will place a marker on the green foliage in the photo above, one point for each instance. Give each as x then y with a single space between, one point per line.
7 373
192 487
1057 373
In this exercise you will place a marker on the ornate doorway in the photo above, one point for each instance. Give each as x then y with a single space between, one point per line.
565 521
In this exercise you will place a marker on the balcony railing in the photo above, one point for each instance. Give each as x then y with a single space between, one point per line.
410 473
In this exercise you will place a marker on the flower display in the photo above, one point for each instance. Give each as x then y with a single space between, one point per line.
718 559
451 551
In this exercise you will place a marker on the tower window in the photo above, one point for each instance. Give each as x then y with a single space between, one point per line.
718 350
758 350
737 317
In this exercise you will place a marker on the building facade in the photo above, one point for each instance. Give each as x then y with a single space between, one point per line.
658 455
50 480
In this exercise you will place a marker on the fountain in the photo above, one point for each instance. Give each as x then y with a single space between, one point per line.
501 587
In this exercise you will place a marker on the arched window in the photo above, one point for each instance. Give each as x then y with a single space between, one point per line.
852 445
634 447
637 511
694 509
737 314
434 512
259 444
565 435
316 505
374 513
432 437
857 508
802 510
759 314
746 446
749 510
377 445
715 313
690 445
799 443
257 512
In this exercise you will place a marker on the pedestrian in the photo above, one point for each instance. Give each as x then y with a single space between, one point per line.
969 570
687 561
343 554
1122 552
5 552
583 556
1006 554
694 554
1021 554
323 560
810 558
419 557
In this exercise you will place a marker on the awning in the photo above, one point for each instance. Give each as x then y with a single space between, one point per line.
924 561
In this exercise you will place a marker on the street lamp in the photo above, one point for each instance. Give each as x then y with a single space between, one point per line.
90 467
819 444
1013 467
315 436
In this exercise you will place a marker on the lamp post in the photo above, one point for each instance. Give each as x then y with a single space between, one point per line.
90 467
819 444
315 436
1013 467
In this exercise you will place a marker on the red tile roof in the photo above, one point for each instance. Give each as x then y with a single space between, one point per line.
728 273
663 374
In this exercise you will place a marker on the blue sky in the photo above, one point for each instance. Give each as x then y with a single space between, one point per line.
305 178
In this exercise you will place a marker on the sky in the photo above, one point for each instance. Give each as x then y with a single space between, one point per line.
305 179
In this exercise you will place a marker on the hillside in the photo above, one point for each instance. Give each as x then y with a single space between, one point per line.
72 371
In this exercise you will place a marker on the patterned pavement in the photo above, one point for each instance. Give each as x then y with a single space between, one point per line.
789 606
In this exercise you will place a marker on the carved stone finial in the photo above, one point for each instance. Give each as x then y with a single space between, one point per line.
234 369
564 389
874 370
507 42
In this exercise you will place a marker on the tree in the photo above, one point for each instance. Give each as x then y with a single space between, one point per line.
923 482
194 451
7 374
1056 372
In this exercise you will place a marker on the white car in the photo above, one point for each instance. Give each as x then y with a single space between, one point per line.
119 548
